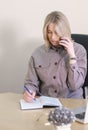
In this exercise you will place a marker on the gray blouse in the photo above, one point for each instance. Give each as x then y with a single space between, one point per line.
50 72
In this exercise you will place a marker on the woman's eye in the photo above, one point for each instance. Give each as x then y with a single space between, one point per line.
49 32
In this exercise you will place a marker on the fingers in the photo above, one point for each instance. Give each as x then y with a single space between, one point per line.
66 42
29 97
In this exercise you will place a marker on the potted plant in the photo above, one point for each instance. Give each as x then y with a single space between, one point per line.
61 118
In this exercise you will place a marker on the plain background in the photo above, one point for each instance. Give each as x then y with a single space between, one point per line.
21 23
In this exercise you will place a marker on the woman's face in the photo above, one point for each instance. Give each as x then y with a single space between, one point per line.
52 35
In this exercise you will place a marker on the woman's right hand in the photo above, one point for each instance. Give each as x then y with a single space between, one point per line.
29 97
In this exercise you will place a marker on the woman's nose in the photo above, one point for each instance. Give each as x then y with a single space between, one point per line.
54 37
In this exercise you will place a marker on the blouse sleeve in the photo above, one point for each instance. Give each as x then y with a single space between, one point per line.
77 71
31 80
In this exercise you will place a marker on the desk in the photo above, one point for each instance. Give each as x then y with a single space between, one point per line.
12 118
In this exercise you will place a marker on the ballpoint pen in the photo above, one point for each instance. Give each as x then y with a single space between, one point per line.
29 91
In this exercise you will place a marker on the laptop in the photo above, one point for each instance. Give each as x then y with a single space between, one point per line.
81 114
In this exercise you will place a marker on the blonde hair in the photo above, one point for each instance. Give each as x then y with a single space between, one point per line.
61 22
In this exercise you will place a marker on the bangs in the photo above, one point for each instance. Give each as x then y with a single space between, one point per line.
63 30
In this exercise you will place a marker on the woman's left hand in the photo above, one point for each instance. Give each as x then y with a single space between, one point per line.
68 45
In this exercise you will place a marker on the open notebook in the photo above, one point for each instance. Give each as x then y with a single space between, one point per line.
42 101
81 114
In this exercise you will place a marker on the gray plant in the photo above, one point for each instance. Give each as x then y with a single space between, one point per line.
61 116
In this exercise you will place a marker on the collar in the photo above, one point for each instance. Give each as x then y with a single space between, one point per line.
58 49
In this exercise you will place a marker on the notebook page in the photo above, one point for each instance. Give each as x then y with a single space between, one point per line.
33 105
50 101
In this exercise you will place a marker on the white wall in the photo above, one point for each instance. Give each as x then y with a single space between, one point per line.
21 23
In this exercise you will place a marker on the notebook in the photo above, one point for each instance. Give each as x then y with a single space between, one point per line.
42 101
81 114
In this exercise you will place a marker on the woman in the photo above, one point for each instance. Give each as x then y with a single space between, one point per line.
58 68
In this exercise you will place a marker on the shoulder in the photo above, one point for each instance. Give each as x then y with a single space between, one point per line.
79 48
40 56
41 50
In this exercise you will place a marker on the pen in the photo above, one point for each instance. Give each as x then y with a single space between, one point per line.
29 91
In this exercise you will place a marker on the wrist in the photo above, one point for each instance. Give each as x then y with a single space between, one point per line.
72 60
72 55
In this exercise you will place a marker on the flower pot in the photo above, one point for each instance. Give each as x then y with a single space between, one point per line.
64 127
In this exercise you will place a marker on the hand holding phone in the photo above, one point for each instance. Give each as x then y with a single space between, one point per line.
68 44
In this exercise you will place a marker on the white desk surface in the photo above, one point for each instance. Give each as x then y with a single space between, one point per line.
13 118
